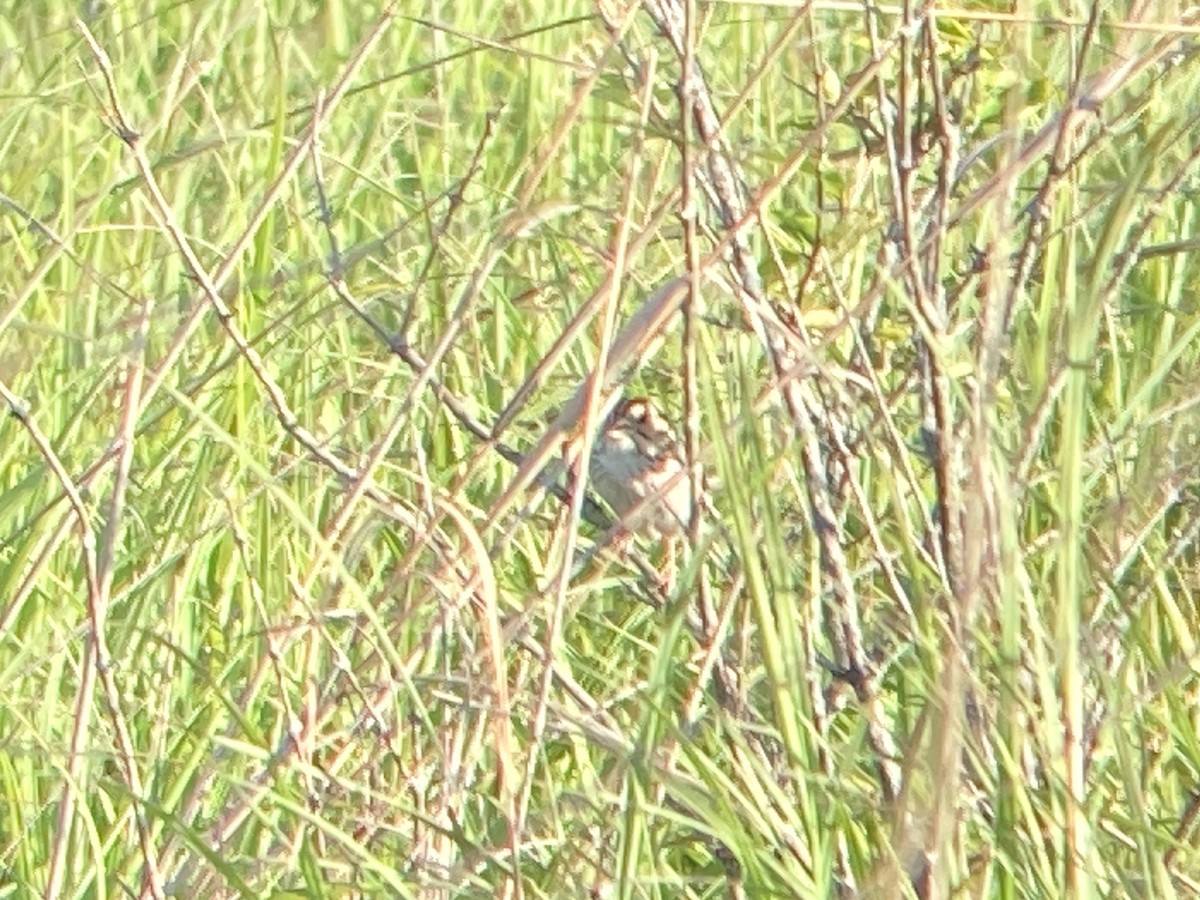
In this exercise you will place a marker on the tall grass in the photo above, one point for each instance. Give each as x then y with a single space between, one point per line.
281 299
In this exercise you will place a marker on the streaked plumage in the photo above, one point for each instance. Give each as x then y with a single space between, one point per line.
637 466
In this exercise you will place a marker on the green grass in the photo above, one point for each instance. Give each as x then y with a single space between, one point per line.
957 565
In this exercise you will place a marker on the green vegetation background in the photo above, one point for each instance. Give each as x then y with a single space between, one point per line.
225 457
